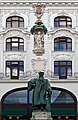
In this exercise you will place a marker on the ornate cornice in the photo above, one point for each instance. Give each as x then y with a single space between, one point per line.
46 2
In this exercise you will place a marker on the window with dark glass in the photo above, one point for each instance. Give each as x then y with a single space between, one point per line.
63 69
62 21
15 22
14 44
63 103
62 44
14 69
17 97
59 96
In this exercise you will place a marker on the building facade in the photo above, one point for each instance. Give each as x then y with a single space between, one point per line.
19 63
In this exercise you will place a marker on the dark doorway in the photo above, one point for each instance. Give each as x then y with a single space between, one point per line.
15 70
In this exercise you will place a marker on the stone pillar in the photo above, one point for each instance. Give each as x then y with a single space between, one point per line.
41 116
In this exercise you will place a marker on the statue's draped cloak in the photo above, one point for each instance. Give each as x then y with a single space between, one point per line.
40 86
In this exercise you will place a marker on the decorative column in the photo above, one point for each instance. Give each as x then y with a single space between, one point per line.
38 30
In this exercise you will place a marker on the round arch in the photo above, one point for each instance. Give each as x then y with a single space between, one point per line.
60 104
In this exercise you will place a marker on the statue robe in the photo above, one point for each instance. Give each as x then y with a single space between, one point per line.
40 86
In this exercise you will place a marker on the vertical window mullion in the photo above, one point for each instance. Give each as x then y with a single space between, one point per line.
18 43
59 43
59 68
18 22
66 44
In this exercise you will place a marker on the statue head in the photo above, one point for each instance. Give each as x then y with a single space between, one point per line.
41 74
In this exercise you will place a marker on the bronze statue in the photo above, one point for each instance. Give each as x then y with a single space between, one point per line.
42 90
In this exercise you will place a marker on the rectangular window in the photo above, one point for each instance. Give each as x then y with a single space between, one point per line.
15 44
63 68
14 69
62 44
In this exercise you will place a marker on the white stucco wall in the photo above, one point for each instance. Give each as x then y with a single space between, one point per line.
50 55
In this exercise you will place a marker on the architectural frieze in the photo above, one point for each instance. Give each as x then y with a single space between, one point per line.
62 55
14 55
29 3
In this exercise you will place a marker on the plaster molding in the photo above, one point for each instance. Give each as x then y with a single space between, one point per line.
63 56
15 31
34 61
63 13
14 56
62 30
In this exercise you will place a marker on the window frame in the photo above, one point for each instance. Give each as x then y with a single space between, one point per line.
10 21
59 40
10 43
62 19
66 66
10 67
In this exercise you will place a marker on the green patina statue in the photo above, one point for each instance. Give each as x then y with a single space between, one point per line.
42 92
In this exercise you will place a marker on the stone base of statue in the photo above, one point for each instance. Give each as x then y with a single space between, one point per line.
38 52
41 116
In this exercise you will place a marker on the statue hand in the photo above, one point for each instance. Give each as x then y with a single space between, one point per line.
34 85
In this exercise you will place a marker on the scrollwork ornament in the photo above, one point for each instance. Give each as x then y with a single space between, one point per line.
38 9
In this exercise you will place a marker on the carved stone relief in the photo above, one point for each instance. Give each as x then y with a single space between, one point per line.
38 9
14 56
39 64
63 32
14 32
63 56
39 41
63 13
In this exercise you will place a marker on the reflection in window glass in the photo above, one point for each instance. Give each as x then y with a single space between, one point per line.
63 68
63 71
18 97
61 97
30 96
62 44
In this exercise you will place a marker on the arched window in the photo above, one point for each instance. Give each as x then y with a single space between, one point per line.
18 102
14 22
62 44
17 97
14 44
61 96
62 21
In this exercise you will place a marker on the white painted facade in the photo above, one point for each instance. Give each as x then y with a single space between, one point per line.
53 9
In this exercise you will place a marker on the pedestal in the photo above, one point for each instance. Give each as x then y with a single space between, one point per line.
41 116
38 52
